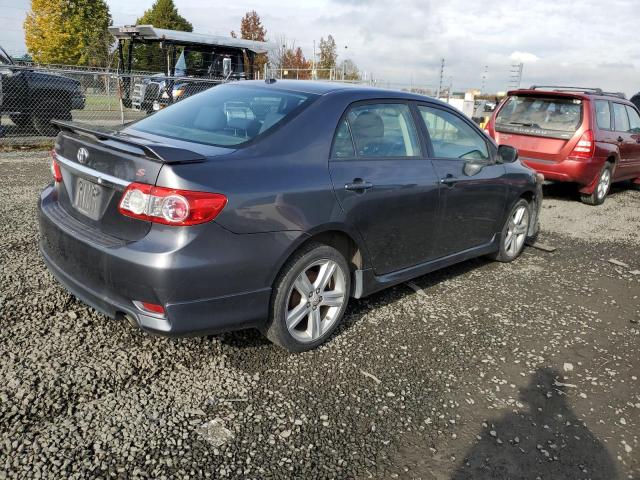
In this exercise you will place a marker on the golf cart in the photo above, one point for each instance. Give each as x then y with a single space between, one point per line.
189 63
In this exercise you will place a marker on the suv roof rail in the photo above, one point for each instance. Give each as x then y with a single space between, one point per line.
587 90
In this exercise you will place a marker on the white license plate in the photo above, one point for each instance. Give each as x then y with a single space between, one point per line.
88 198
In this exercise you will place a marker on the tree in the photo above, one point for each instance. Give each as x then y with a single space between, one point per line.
328 56
348 70
251 28
73 32
295 60
162 14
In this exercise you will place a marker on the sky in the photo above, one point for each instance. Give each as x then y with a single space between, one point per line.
589 43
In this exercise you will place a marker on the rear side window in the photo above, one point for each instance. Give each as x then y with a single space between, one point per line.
554 114
226 115
343 144
451 136
603 114
620 118
634 120
378 130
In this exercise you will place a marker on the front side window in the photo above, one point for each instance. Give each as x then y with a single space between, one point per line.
226 115
634 120
603 114
451 136
381 130
620 118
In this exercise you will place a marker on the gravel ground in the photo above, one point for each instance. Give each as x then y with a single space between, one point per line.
482 370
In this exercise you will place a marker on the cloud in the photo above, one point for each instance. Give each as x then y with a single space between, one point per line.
524 57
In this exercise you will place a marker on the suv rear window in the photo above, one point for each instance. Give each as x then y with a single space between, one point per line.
226 115
540 116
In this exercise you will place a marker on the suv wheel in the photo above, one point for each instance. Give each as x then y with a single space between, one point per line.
514 233
21 121
599 194
47 112
309 299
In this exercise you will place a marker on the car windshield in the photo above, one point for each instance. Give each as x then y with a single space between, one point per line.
226 115
561 114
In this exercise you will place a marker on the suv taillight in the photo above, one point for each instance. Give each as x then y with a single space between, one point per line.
55 168
585 147
170 206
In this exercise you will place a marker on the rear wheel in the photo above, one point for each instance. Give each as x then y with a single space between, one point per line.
310 298
47 112
599 194
514 232
21 121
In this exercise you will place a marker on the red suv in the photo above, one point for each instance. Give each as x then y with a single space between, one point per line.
581 135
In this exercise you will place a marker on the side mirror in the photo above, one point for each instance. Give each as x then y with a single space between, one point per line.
507 154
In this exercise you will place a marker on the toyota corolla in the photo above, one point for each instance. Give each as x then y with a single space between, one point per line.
271 204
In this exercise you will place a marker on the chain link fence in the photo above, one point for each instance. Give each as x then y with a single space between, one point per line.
33 95
30 97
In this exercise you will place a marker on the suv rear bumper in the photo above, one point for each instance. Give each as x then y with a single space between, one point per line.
578 171
208 279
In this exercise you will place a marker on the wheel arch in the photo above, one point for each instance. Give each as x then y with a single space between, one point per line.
343 239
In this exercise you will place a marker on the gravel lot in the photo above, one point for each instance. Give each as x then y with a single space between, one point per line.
482 370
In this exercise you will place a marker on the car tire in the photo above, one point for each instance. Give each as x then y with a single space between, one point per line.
635 184
42 119
514 232
599 194
23 122
309 298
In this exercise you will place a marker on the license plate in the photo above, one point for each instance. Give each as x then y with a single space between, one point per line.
88 198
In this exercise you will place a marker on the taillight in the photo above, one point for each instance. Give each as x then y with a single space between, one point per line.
170 206
55 168
585 147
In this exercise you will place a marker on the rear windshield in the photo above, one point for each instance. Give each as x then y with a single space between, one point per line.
226 115
556 114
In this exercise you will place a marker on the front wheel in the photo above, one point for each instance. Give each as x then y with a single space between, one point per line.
309 299
598 196
514 233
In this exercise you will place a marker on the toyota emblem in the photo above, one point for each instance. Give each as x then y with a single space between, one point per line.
83 155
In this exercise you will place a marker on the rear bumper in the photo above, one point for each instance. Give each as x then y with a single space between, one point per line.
208 279
578 171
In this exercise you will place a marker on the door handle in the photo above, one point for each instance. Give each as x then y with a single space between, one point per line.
358 185
449 180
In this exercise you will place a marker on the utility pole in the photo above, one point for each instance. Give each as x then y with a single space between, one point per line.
515 75
314 75
484 79
441 77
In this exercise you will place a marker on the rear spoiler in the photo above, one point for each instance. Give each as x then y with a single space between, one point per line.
156 151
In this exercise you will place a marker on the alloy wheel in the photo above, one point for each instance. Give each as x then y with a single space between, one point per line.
516 231
315 300
604 183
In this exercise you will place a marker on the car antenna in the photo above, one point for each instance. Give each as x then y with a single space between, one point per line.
269 80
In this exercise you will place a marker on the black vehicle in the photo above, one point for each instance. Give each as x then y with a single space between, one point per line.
32 99
269 204
190 63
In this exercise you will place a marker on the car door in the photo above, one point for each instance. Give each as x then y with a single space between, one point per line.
626 141
384 183
473 190
634 146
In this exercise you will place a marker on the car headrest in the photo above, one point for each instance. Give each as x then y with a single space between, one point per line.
210 118
368 125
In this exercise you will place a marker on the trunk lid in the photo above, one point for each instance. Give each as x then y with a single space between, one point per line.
97 166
